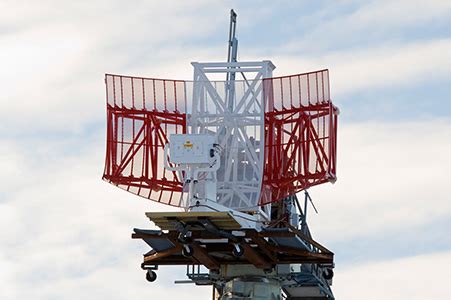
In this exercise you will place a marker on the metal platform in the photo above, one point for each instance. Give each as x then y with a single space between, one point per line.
173 220
213 239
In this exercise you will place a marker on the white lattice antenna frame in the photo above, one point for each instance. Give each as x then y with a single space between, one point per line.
234 112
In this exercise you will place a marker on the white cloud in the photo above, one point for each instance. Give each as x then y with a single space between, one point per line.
65 233
367 24
53 69
54 55
386 66
413 278
386 14
68 233
390 177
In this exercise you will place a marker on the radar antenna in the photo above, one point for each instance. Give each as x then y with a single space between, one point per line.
233 155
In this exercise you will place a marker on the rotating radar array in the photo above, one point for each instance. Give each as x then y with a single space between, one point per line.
236 156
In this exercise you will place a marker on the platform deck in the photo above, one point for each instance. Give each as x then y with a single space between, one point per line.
170 220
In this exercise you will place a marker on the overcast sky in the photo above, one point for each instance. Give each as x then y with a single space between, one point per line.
65 234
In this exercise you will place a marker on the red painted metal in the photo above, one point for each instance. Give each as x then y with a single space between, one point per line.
300 134
141 114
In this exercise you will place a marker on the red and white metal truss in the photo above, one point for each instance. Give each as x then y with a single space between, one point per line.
141 113
300 134
278 134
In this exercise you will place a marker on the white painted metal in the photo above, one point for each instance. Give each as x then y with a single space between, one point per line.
198 178
190 148
237 121
226 118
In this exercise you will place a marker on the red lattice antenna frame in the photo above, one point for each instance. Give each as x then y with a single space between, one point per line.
301 134
141 114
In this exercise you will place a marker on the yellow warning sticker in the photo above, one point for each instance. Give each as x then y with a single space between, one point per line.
188 145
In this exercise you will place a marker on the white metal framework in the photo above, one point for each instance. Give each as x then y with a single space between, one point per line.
237 145
234 112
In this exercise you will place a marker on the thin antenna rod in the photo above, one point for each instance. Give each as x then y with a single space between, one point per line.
231 57
233 42
307 195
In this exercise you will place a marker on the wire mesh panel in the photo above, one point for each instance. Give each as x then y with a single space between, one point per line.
141 114
234 115
277 135
233 111
300 134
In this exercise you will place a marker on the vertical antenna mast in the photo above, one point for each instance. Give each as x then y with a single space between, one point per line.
233 42
232 52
